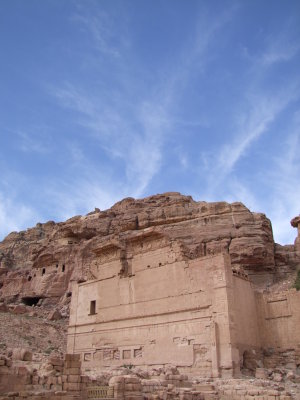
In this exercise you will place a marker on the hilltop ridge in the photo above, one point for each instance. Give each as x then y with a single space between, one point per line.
37 266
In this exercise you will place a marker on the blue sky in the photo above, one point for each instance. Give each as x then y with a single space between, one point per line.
101 100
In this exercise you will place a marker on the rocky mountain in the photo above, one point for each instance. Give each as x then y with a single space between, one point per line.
38 266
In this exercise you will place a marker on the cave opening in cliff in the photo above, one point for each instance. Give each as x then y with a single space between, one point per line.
31 301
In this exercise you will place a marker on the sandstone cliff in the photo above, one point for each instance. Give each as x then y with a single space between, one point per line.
37 266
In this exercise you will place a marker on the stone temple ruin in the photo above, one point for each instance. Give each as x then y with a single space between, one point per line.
167 298
150 305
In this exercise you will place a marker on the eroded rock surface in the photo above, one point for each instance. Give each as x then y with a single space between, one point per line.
37 265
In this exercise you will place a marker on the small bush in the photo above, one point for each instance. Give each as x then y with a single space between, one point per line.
49 350
297 281
128 366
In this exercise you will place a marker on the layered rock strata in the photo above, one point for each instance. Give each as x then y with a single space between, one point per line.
37 265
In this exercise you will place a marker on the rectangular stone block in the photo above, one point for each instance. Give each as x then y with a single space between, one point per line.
131 379
133 397
273 393
23 394
56 361
241 392
36 397
72 364
119 386
52 380
71 371
22 370
118 392
56 388
74 378
133 393
68 397
73 386
35 379
253 392
133 386
72 357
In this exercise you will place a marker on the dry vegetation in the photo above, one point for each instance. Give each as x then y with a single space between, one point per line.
34 332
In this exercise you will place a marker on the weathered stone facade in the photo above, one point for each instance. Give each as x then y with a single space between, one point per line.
151 304
39 264
170 300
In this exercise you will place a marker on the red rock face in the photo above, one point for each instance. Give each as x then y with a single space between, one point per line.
295 222
39 264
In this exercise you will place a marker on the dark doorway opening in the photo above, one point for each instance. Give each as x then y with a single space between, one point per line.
31 301
93 307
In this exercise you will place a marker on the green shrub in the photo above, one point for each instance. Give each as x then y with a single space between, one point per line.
128 366
297 281
49 350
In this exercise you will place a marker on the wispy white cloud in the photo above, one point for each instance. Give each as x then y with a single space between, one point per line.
183 159
281 47
240 191
135 131
276 52
124 112
80 196
14 215
252 122
71 97
285 178
260 107
280 53
138 147
99 26
76 152
199 51
32 141
280 183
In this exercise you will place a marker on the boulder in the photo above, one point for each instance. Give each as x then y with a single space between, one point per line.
3 307
19 309
54 315
21 354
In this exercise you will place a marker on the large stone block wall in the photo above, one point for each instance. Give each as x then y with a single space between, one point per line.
279 319
154 306
161 308
22 377
244 313
157 315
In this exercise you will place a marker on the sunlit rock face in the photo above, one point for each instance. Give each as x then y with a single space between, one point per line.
38 264
295 222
